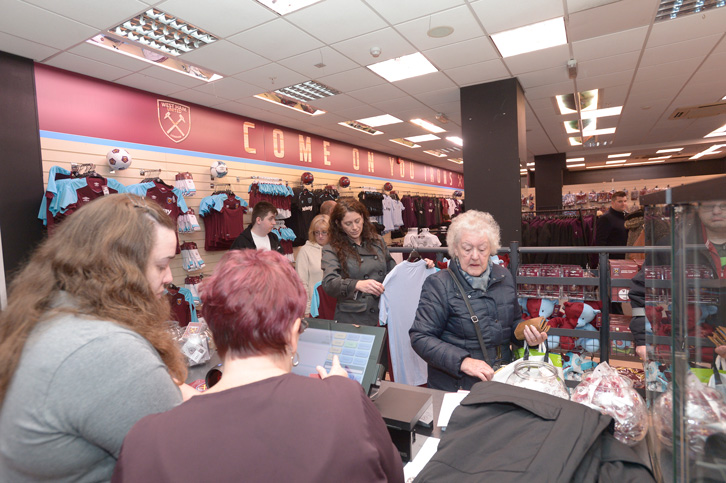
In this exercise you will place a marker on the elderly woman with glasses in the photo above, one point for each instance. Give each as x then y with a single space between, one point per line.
443 332
260 422
308 260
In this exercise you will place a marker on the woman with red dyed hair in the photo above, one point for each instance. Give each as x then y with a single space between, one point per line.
260 422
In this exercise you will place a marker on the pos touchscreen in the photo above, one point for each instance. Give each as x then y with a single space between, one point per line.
358 348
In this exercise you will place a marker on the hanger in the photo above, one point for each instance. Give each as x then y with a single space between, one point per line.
414 256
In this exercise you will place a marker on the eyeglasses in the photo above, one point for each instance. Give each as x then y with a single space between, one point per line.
303 325
320 233
711 205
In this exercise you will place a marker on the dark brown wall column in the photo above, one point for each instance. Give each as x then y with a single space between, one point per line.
493 127
549 169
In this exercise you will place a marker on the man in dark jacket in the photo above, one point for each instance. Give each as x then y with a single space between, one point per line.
258 234
611 231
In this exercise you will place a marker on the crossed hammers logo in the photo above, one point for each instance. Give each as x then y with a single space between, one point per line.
175 124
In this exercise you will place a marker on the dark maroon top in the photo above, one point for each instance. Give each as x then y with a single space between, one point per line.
285 428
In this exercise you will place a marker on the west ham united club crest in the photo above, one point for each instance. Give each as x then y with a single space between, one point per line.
175 119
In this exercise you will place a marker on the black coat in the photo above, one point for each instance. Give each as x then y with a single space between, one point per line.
443 334
507 433
245 240
611 231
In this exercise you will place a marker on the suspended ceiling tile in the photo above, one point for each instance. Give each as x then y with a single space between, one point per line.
398 105
681 69
341 101
614 17
225 58
240 109
550 90
708 23
171 76
82 65
333 61
608 65
271 76
460 19
276 40
497 16
541 59
25 48
109 57
150 84
586 82
101 15
197 97
391 43
543 77
229 88
381 92
579 5
221 18
39 25
463 53
448 95
478 73
609 45
403 10
352 80
688 49
425 83
335 20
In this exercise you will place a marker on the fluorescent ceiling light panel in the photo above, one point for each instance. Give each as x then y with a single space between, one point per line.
723 98
308 91
607 112
456 140
718 132
598 166
576 165
404 142
588 102
661 157
404 67
672 9
422 138
574 160
600 132
573 126
377 121
436 152
575 141
457 160
163 32
289 103
619 161
530 164
283 7
621 155
530 38
709 151
673 150
359 126
428 126
171 63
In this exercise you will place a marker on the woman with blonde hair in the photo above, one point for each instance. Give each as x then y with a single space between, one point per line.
308 260
84 346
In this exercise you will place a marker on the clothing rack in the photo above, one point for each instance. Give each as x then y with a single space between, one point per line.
368 188
266 178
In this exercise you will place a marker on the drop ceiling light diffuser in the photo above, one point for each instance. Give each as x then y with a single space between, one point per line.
293 104
431 127
154 57
672 9
404 142
283 7
163 32
436 152
456 140
359 126
530 38
405 67
308 91
588 102
718 132
457 160
422 138
382 120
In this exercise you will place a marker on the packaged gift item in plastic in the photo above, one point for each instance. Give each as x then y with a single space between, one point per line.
605 390
195 343
705 414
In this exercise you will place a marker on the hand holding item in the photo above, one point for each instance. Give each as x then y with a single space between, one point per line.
533 336
336 370
370 286
429 263
721 350
477 368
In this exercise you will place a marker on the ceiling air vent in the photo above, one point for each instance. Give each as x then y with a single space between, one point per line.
696 112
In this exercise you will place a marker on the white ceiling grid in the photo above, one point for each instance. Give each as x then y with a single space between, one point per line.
649 68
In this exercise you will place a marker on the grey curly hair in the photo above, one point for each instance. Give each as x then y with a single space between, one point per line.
478 222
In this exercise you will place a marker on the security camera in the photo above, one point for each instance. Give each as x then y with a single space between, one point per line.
375 51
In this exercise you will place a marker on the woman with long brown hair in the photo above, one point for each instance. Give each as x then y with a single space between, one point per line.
355 263
84 348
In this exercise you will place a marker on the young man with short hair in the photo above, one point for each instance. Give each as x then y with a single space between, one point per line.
258 234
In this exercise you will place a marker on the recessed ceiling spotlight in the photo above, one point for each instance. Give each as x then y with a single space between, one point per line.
440 31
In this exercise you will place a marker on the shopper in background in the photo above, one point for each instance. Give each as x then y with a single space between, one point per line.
260 422
443 333
84 346
308 260
610 230
327 207
258 234
355 263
